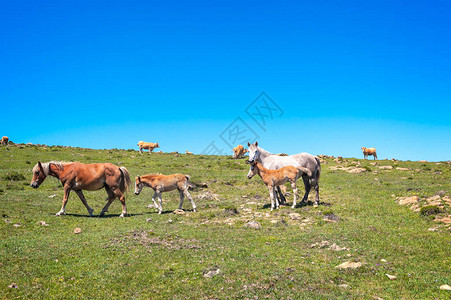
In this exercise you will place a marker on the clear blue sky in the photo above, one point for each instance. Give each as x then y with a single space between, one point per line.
345 74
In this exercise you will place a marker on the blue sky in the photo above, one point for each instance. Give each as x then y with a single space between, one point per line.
345 74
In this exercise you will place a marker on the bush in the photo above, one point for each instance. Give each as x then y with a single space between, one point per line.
14 176
430 210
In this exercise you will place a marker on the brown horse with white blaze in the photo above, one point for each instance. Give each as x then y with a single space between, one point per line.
91 177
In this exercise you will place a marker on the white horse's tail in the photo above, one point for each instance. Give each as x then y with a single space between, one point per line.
304 171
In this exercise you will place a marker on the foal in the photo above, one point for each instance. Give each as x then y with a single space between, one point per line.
164 183
274 178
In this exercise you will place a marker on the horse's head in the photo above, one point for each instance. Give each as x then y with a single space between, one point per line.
363 148
254 153
253 170
39 175
138 185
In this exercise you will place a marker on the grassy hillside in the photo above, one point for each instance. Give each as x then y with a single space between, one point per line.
211 254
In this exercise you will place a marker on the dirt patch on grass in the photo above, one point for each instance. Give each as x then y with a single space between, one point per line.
149 239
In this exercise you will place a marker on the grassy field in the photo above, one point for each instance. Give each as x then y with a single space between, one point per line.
211 254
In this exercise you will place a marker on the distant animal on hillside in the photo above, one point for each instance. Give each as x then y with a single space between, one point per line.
164 183
274 178
305 160
5 140
187 152
239 151
78 176
369 151
147 146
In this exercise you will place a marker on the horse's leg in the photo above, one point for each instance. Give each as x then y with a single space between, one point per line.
153 199
315 184
276 200
281 196
65 199
117 192
307 186
271 196
295 192
110 200
85 203
188 195
160 200
181 199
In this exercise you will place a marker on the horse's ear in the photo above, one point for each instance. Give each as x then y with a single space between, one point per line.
40 167
256 143
248 144
139 179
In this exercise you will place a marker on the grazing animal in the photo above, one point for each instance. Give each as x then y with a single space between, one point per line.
187 152
148 146
273 178
239 151
304 160
164 183
369 151
78 176
5 140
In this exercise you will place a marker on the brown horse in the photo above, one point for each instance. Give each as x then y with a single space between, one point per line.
78 176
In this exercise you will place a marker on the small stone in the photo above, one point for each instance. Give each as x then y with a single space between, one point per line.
391 277
170 221
383 260
253 224
295 216
13 286
212 273
335 247
408 200
149 220
385 167
402 169
17 225
349 265
77 230
343 285
445 287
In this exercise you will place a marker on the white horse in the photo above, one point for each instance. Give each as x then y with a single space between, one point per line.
304 160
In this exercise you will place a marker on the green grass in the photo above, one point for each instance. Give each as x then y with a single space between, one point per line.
147 255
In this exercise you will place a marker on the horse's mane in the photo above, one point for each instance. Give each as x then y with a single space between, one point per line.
264 151
46 166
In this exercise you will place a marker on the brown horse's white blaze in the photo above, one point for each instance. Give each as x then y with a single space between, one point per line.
368 152
164 183
78 176
274 178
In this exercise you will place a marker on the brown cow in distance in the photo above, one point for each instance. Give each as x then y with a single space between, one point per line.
369 151
5 140
239 151
148 146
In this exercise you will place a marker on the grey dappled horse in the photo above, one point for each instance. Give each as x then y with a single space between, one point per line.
305 160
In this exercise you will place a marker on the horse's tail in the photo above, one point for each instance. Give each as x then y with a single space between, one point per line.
305 171
318 169
125 180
